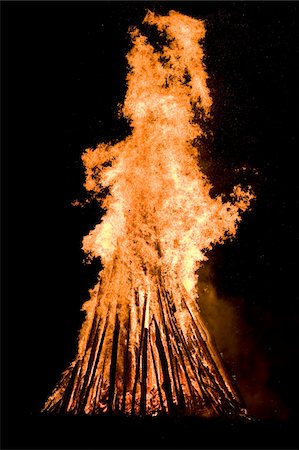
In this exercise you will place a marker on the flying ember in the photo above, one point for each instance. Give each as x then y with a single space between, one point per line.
143 348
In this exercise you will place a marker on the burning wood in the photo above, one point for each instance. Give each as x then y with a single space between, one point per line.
143 348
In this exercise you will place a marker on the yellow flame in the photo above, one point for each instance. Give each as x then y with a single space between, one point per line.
156 186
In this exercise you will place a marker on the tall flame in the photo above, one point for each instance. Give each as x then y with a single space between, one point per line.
143 347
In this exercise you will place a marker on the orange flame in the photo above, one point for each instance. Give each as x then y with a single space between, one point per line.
143 347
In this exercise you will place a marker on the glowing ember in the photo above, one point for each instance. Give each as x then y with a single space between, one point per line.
143 348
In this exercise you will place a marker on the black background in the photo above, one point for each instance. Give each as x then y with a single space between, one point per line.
63 76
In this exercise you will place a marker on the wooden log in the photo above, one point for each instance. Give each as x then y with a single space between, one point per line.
166 378
113 365
168 342
144 373
90 385
126 365
87 376
157 376
137 374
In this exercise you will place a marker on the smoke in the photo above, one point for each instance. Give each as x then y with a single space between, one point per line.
243 354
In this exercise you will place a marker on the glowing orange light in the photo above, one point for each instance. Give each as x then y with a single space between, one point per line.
143 348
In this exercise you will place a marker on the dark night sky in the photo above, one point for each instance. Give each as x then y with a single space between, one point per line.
63 75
